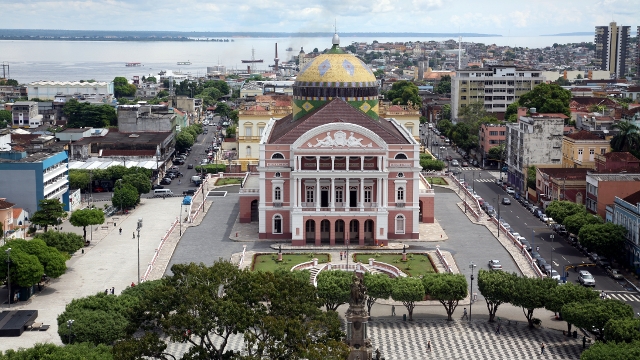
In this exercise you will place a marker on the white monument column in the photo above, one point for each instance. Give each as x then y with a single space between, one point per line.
317 194
333 161
361 163
361 194
332 195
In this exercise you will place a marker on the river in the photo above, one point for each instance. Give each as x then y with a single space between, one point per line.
33 60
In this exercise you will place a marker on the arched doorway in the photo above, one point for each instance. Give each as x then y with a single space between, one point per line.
368 232
339 227
325 231
310 232
254 210
354 231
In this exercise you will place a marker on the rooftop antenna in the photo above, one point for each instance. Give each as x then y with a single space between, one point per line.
459 52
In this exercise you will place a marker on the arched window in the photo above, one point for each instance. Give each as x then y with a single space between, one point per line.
277 156
248 151
278 175
277 194
400 224
277 224
401 157
400 194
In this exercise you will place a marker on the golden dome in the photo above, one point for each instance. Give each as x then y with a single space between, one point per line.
332 69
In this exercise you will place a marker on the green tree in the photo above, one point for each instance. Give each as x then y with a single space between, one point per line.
83 351
334 288
531 177
83 114
566 294
140 181
25 269
404 92
152 79
444 126
53 261
628 137
122 88
79 179
563 82
222 86
378 286
511 114
473 113
125 195
184 140
5 118
605 239
560 210
65 242
497 288
531 294
612 350
379 74
446 112
596 314
444 85
447 288
575 222
50 211
497 152
222 109
547 98
407 290
623 330
431 164
85 217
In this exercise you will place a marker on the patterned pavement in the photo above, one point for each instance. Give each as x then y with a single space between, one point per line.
461 340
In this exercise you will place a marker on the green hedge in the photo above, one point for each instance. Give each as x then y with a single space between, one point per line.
211 168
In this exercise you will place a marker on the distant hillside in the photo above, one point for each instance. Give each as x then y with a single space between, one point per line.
116 35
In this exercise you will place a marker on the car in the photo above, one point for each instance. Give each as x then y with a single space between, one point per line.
510 190
543 218
541 262
165 181
554 275
499 182
535 255
594 257
526 244
454 163
525 203
465 164
604 262
190 166
586 279
456 171
98 189
171 175
156 186
546 268
495 265
178 162
515 234
189 192
506 201
615 273
450 158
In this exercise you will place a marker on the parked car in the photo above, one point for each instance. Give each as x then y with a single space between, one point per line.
586 279
510 190
190 166
156 186
454 163
604 262
546 268
165 181
554 275
178 162
499 182
535 255
465 164
506 201
614 273
189 192
594 257
541 262
526 244
171 175
543 218
495 265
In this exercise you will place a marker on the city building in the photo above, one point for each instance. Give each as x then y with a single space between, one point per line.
405 115
560 184
111 143
494 86
532 141
251 89
334 171
579 149
29 178
612 49
626 212
617 161
47 90
25 114
489 136
146 118
602 188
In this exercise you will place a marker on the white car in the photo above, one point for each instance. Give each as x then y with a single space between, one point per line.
586 279
510 190
454 163
554 275
495 265
544 218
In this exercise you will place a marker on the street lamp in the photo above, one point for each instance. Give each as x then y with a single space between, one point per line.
180 218
69 325
551 236
471 266
498 204
8 251
138 228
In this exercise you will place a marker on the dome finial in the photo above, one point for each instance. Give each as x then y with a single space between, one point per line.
336 39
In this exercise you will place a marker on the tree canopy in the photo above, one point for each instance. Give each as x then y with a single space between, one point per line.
85 217
407 290
447 288
66 242
605 239
125 196
596 314
560 210
334 288
49 213
497 288
82 351
612 350
5 118
378 286
84 114
573 223
404 92
139 181
32 259
444 85
122 88
547 98
531 294
566 294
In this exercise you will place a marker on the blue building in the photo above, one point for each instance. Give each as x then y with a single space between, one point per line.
626 212
26 179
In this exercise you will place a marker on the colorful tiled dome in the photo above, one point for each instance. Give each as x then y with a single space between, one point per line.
335 75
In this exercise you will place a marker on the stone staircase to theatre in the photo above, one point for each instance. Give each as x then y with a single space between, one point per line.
358 267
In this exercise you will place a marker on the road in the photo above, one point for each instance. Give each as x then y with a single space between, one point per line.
557 251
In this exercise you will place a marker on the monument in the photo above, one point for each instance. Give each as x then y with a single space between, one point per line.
357 318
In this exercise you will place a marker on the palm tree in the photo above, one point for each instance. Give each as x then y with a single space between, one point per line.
627 139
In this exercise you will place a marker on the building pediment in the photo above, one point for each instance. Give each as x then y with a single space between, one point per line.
339 136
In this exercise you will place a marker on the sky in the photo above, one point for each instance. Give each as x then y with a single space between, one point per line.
502 17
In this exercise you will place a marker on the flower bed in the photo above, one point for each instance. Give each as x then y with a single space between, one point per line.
269 261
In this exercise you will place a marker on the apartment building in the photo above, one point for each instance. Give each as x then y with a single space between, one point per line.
489 136
626 212
612 49
534 140
579 149
602 188
495 86
25 114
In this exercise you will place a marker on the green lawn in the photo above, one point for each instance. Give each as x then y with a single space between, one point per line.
437 181
416 265
267 262
228 181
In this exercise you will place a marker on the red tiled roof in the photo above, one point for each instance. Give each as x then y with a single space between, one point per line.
5 204
633 198
633 89
287 131
16 212
565 173
583 135
553 115
621 156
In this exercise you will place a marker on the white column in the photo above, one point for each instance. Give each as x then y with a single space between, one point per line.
385 193
317 163
347 164
361 163
317 194
299 181
379 163
332 195
295 190
361 194
333 160
379 193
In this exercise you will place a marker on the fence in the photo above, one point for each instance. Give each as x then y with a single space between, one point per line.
386 268
518 245
157 251
444 262
244 251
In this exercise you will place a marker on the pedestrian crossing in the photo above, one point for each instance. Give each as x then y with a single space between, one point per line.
486 180
624 296
470 169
